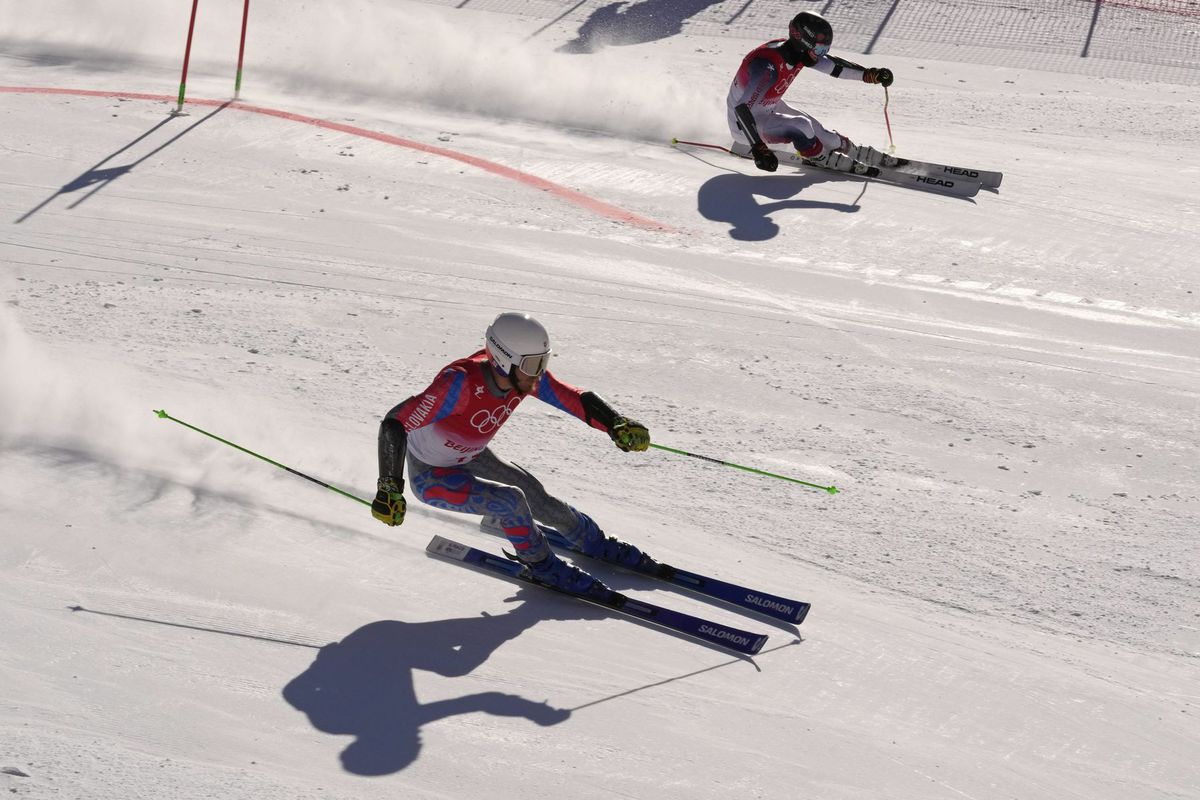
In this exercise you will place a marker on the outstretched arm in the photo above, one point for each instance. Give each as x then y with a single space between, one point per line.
570 399
838 67
592 409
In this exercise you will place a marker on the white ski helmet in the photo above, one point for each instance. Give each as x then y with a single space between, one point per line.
517 340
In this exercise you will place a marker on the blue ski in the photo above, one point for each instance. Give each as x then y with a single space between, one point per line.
769 605
705 630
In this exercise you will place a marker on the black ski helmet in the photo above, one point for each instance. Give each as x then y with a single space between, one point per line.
811 33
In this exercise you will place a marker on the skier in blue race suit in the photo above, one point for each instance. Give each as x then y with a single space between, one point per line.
443 433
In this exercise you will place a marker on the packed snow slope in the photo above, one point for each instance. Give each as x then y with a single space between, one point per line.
1005 592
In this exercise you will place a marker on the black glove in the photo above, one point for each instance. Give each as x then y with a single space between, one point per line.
389 504
764 159
629 435
881 75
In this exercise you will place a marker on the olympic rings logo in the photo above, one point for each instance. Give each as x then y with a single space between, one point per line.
486 421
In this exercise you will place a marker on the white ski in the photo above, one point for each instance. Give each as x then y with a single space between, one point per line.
941 182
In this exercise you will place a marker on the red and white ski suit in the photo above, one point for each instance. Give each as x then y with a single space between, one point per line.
760 83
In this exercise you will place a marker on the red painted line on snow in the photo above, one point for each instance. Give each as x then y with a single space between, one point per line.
563 193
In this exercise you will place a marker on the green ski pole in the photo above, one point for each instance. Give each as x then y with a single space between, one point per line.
165 415
830 489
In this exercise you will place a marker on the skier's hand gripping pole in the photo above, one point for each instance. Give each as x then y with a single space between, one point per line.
764 159
389 504
881 75
629 435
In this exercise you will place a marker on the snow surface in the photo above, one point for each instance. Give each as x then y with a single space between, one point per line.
1005 594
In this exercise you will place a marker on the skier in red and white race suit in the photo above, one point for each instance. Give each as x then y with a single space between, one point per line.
443 435
757 114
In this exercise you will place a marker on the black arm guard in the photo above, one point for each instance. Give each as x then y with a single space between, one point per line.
747 121
842 64
393 447
594 408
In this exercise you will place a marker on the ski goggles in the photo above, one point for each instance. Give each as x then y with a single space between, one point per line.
534 365
820 49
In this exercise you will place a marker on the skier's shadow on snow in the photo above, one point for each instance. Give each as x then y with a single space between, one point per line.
362 686
624 23
732 198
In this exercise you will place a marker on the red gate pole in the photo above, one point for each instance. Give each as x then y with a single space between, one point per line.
237 84
187 52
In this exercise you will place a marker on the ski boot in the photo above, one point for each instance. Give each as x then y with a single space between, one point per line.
588 539
846 157
552 571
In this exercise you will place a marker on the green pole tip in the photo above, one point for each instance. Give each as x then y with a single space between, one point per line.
831 489
674 140
161 414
